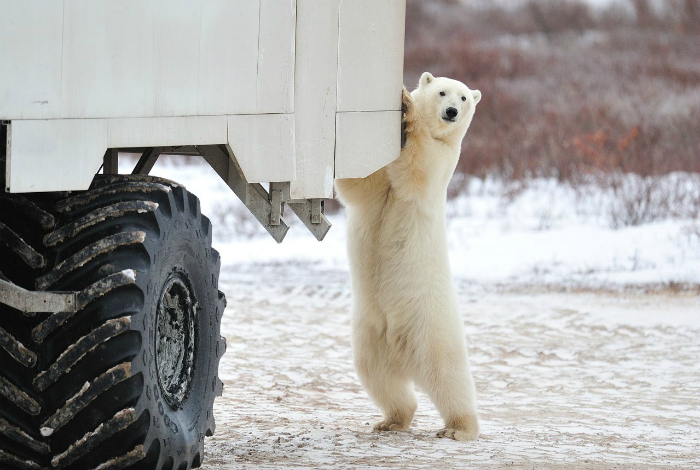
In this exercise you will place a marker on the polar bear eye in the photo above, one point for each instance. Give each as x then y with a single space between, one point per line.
442 93
464 98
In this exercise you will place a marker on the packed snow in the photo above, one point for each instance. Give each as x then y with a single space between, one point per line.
564 380
584 339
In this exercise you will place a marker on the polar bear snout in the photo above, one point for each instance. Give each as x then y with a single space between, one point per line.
450 114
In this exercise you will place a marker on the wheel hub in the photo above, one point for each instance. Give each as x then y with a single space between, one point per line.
175 338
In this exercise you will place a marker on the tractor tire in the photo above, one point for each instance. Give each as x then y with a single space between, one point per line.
129 380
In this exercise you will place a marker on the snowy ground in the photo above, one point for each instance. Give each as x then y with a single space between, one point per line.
584 341
595 380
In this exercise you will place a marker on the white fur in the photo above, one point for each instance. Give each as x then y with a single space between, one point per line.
406 324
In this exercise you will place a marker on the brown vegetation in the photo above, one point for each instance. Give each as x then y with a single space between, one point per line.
568 91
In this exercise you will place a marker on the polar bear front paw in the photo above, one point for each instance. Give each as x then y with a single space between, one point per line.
410 116
407 106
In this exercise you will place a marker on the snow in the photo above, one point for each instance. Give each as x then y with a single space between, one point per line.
542 233
130 274
585 380
46 432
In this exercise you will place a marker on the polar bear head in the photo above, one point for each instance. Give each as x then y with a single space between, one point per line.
446 106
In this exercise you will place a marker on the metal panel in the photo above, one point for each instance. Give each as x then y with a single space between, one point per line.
55 155
130 72
152 132
176 54
370 55
108 59
229 48
263 145
366 142
65 154
276 51
30 58
145 58
315 94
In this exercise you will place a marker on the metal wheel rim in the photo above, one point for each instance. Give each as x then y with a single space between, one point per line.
175 339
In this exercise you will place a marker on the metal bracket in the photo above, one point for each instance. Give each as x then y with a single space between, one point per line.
36 301
268 208
310 212
276 207
253 195
316 210
279 194
147 161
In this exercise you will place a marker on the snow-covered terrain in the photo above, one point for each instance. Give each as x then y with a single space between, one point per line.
564 380
573 368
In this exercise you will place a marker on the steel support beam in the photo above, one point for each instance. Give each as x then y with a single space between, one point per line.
268 208
253 195
110 165
310 212
36 301
147 161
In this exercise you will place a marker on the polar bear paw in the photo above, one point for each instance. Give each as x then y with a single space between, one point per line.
462 429
410 116
408 107
391 425
458 435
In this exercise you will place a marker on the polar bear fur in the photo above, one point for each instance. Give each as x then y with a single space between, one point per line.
406 325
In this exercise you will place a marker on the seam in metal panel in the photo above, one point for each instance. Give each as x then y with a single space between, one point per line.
257 57
337 96
158 117
63 54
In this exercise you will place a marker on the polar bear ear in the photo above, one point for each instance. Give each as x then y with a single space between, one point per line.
426 78
477 96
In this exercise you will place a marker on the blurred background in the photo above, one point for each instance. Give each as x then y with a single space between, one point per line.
577 90
581 168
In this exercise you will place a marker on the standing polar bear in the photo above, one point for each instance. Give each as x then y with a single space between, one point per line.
406 325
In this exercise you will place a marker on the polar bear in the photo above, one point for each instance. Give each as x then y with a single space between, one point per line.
406 328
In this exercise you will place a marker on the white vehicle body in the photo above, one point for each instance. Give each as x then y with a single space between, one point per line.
300 91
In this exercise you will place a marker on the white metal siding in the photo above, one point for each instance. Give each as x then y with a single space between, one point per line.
145 58
315 89
65 154
301 90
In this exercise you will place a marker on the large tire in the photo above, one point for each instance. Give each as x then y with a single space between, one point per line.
129 380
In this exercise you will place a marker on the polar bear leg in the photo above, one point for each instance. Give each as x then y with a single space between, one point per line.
450 386
389 388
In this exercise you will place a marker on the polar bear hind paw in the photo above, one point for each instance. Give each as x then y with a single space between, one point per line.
463 429
391 425
458 435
